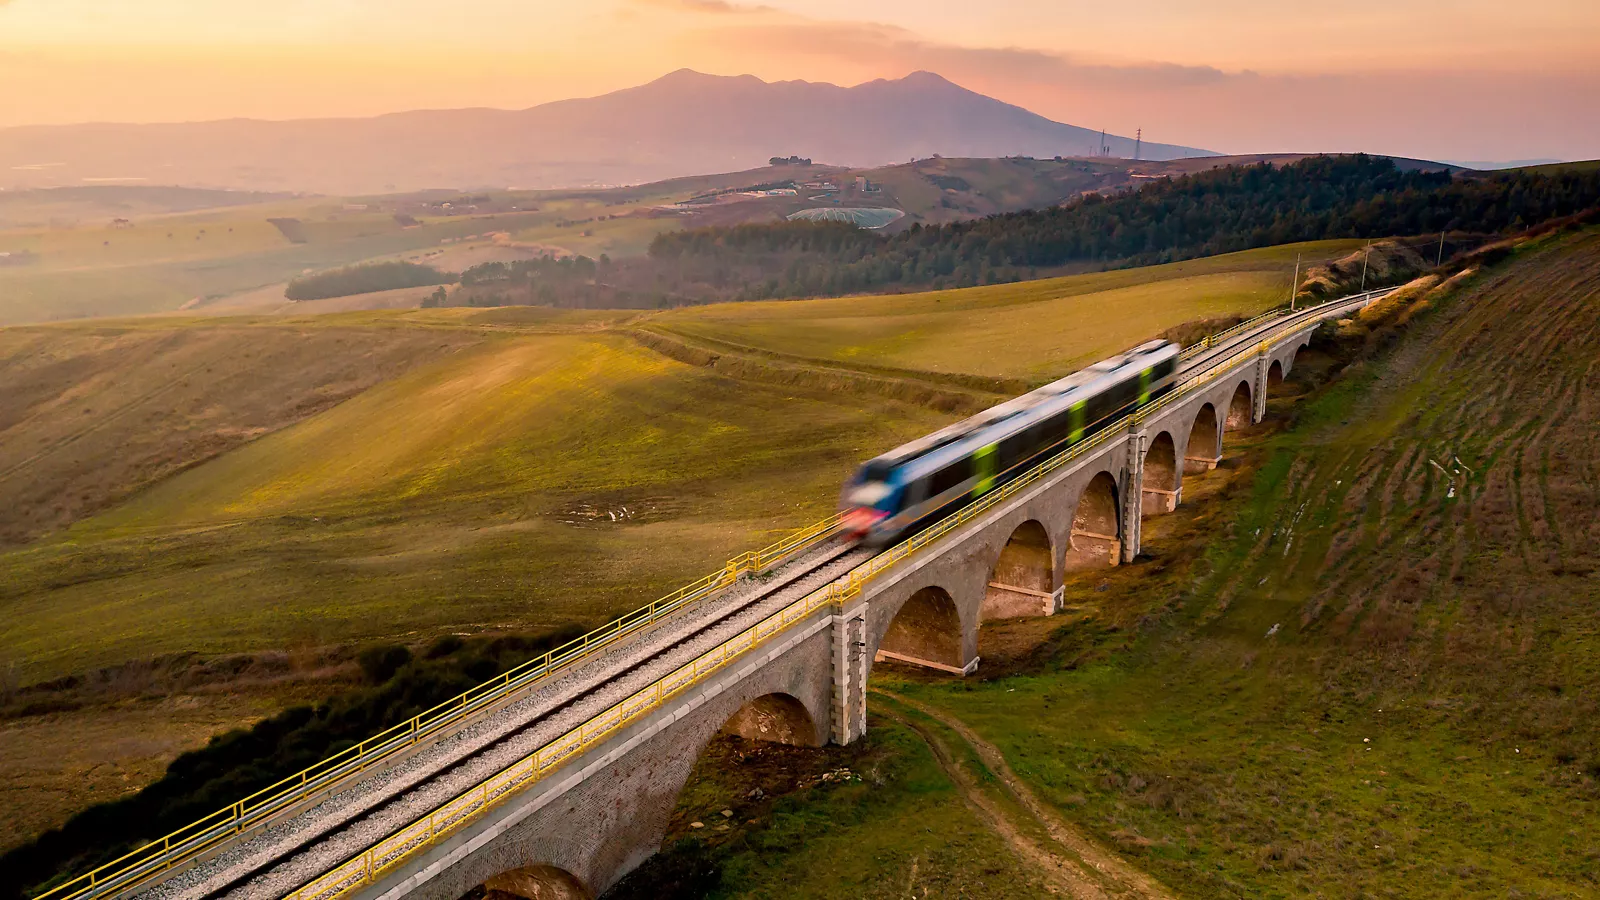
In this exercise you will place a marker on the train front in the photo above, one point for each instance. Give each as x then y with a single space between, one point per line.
869 500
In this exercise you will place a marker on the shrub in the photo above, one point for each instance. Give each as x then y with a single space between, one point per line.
365 279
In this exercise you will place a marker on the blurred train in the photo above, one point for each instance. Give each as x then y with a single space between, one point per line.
895 494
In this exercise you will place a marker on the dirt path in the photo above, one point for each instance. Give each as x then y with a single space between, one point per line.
1068 861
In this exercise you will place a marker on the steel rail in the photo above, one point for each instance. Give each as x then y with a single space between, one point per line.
1215 340
473 803
183 845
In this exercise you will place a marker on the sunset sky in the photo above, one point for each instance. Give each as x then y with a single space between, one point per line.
1444 79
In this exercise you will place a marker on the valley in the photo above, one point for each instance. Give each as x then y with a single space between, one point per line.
297 482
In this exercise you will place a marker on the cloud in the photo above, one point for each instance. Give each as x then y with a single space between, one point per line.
890 46
710 7
1421 110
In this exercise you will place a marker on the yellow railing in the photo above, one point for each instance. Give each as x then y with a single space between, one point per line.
1213 340
197 837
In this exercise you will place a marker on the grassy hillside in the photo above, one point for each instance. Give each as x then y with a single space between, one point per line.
178 247
1031 330
117 251
468 489
240 485
162 263
92 415
531 481
1335 672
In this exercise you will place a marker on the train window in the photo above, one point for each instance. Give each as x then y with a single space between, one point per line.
916 492
1015 449
950 476
877 470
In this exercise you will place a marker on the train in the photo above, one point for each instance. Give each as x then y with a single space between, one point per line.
897 493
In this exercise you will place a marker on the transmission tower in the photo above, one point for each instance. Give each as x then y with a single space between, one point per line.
1138 142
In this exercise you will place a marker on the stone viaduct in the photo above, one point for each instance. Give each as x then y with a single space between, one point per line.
580 830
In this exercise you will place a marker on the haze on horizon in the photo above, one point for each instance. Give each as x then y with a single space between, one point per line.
1439 79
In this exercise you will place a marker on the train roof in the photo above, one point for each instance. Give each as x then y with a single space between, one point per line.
1011 415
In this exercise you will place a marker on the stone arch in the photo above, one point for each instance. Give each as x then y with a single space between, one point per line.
536 883
1204 449
1096 539
1241 409
1274 375
780 718
926 631
1023 576
1161 484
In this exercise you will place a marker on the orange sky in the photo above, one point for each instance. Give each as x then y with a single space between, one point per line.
1459 79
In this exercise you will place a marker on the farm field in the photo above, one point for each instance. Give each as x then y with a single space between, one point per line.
116 251
169 262
1337 671
1032 330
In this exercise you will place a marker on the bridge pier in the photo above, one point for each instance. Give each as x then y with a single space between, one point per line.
1258 386
1133 494
849 705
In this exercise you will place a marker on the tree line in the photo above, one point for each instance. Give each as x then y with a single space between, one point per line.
365 279
1218 211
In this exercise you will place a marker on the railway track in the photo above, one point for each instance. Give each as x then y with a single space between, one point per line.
289 853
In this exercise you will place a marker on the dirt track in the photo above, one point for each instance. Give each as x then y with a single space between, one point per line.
1069 862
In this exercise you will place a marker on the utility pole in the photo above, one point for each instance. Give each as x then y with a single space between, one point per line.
1441 251
1365 259
1295 287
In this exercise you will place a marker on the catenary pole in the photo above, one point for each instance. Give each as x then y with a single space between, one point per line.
1295 287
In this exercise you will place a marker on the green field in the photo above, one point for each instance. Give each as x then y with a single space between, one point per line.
164 263
1032 330
528 482
227 484
118 251
86 266
482 482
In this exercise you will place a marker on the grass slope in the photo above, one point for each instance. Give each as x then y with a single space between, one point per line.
1368 684
1030 330
91 415
248 488
532 481
878 819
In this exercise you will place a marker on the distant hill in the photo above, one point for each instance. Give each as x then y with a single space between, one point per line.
682 124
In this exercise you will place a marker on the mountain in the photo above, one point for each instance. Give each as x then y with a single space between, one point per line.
684 123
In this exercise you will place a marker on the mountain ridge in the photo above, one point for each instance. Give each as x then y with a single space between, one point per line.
683 123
